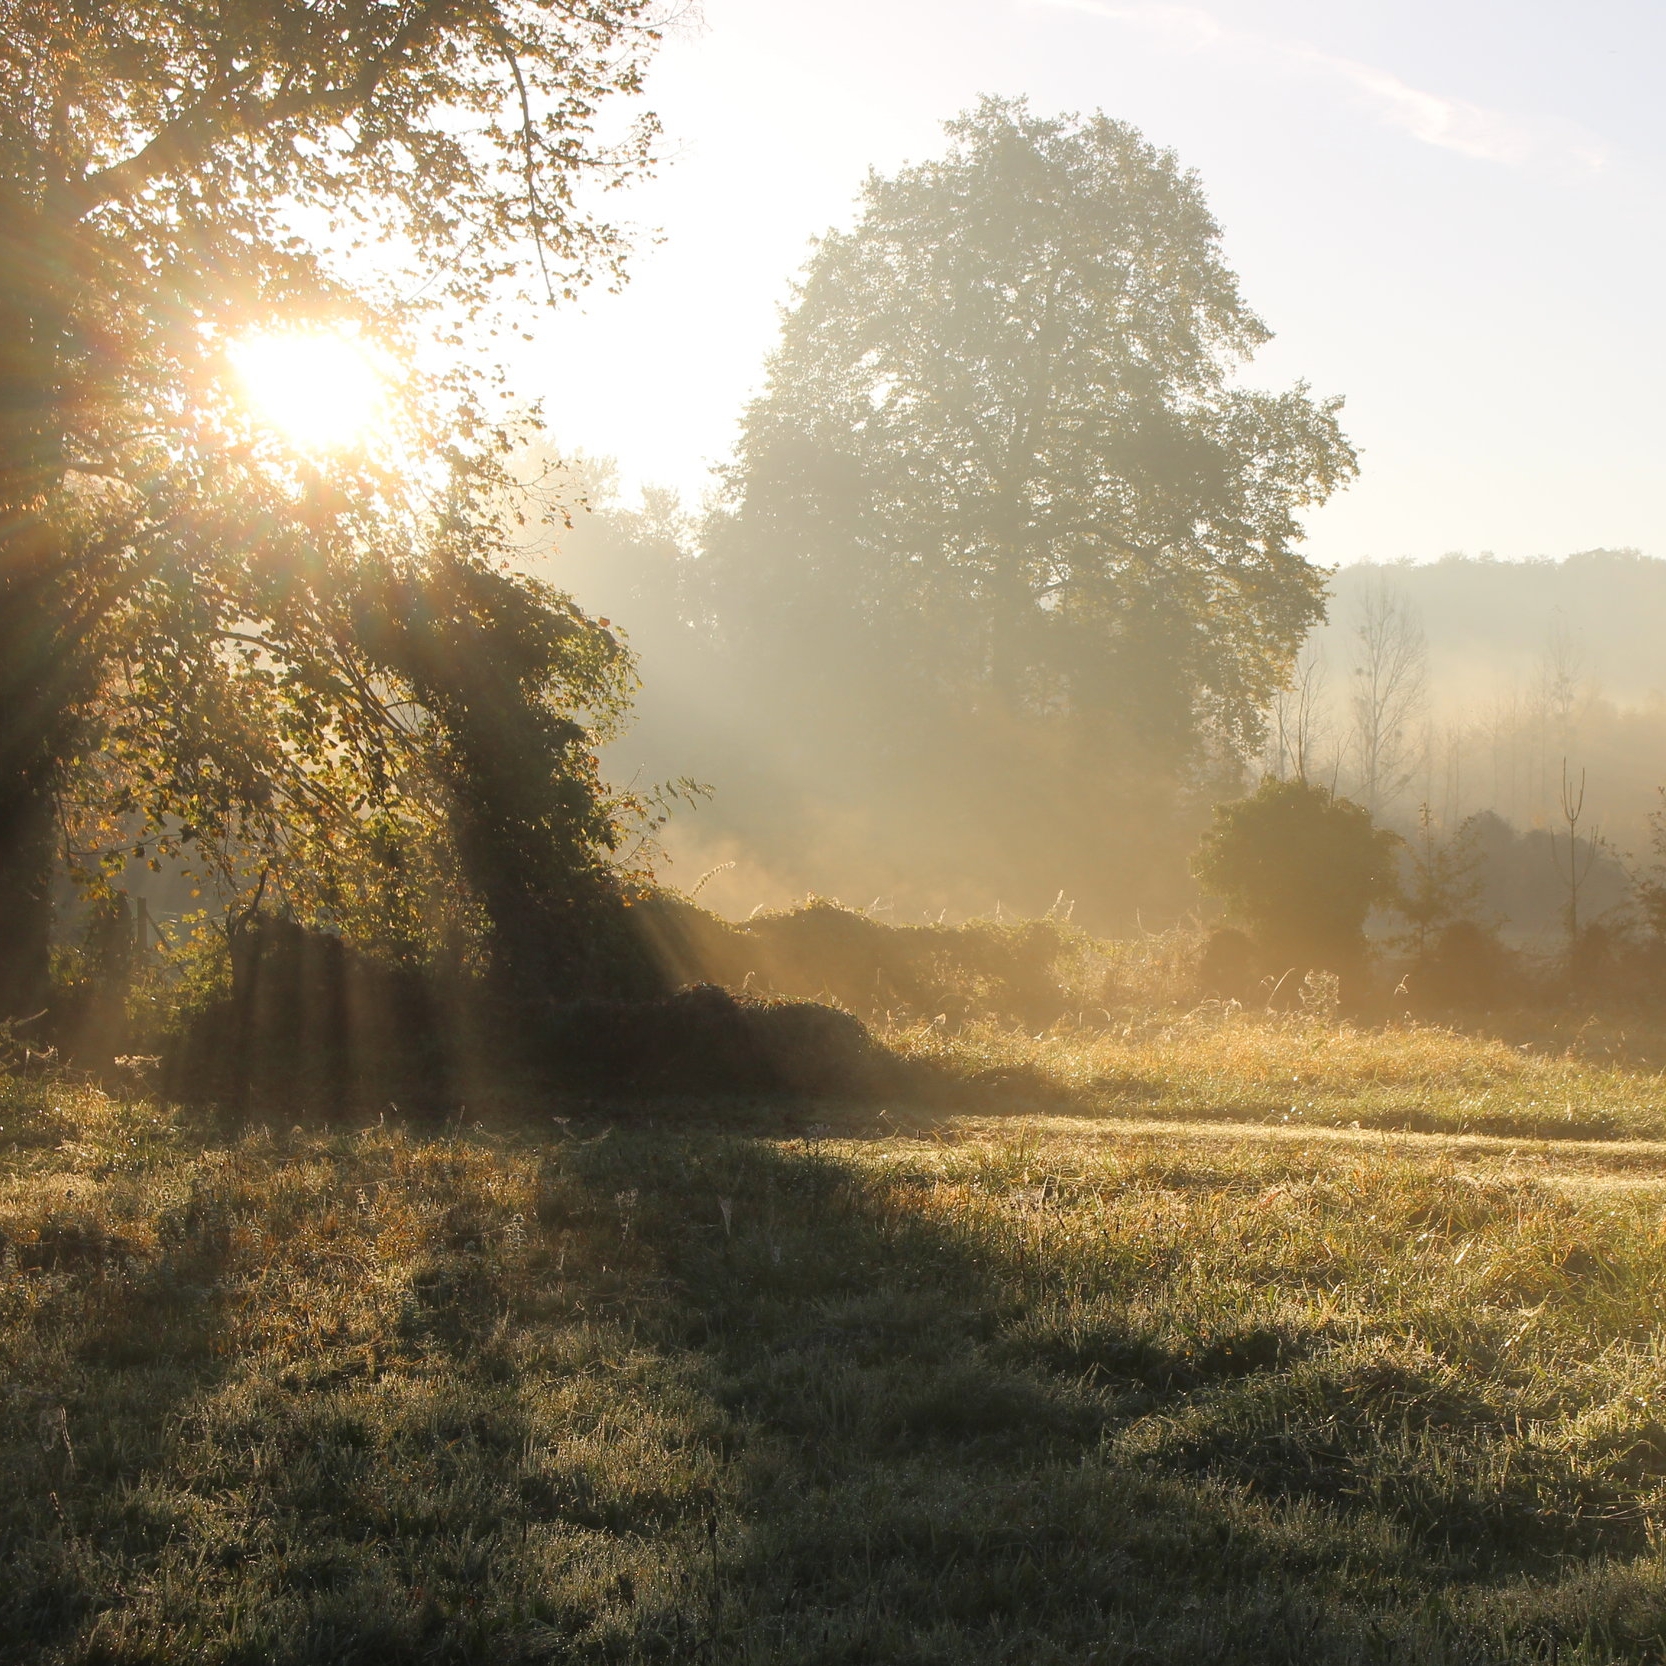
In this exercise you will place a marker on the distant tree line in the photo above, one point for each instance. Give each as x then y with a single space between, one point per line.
1465 683
1298 872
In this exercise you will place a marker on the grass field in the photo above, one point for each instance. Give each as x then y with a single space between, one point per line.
1574 1079
1166 1379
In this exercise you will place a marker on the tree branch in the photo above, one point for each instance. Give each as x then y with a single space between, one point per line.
184 141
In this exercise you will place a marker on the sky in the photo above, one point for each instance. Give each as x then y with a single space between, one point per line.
1451 214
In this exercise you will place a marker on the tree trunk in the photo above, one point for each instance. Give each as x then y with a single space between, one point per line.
26 851
43 676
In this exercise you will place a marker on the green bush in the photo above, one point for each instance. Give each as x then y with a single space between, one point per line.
1300 869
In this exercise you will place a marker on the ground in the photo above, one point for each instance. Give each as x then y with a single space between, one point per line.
1151 1356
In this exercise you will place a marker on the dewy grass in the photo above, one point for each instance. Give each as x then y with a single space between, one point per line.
1016 1390
1227 1064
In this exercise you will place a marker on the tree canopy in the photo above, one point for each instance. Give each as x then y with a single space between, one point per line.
184 596
1001 437
1013 550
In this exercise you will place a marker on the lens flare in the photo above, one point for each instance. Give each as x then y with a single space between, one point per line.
320 388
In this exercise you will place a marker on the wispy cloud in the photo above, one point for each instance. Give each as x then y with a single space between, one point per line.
1450 123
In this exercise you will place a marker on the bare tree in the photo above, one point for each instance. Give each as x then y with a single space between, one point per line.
1561 676
1502 724
1577 868
1301 721
1390 689
1557 690
1456 740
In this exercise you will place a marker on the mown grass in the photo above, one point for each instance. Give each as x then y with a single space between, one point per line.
1227 1064
637 1387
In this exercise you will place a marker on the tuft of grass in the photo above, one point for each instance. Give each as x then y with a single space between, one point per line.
643 1388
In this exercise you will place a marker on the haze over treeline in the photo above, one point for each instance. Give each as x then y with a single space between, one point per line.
1513 667
1004 586
1522 664
1006 569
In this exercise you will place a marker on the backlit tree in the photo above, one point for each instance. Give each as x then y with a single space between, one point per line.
1001 437
1003 497
182 592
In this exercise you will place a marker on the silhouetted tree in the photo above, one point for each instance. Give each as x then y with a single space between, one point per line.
1443 882
1301 869
497 665
1300 723
1573 865
1648 887
1390 688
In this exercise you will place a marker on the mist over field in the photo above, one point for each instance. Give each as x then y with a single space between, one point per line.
1517 665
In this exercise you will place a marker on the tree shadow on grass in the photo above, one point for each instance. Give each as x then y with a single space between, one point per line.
926 1473
714 1397
109 1340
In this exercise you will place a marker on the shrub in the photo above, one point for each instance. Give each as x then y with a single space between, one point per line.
1466 967
1301 869
706 1040
1226 968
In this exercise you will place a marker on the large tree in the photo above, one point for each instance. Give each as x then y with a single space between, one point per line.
182 597
1002 466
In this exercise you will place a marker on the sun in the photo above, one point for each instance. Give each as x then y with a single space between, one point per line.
321 388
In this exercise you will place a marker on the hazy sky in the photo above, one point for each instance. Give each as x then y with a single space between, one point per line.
1451 213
